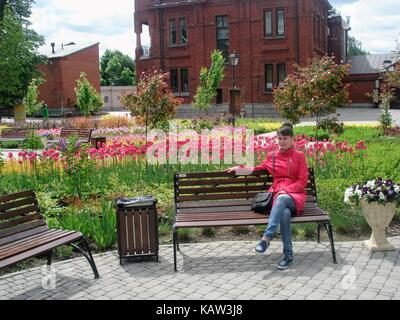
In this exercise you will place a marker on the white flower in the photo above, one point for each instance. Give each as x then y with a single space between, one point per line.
382 196
348 193
397 188
371 184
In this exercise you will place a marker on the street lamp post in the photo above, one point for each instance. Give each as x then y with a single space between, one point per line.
233 61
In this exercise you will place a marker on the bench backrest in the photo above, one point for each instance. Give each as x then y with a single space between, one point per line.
19 215
84 134
15 133
215 186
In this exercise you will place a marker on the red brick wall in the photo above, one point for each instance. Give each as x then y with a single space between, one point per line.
360 85
61 76
246 27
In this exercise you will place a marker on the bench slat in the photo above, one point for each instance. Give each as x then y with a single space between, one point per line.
39 250
19 221
19 212
205 204
22 235
16 204
247 195
249 222
18 195
21 228
244 188
217 182
195 175
33 242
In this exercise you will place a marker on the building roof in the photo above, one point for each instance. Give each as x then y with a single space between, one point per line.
373 63
67 51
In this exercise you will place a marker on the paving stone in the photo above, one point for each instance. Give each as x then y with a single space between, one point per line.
220 271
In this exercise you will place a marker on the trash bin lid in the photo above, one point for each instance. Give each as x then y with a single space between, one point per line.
147 200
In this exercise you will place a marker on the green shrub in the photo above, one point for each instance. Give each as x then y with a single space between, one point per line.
103 227
33 142
185 234
208 232
240 230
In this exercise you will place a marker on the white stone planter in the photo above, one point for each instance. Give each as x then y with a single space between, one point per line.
378 217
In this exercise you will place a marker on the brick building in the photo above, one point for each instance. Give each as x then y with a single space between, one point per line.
271 36
63 68
366 77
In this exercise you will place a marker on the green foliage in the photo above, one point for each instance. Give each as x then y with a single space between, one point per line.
31 103
87 98
103 228
185 234
208 232
314 90
209 82
18 54
331 126
153 104
33 142
117 69
355 48
386 118
240 230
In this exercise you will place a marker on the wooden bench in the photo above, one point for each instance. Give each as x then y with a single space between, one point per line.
24 233
84 135
222 199
15 134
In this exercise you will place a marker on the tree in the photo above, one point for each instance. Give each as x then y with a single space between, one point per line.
153 104
22 8
209 81
87 98
355 48
314 90
18 54
117 69
31 103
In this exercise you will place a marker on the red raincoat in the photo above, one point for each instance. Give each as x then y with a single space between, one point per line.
290 175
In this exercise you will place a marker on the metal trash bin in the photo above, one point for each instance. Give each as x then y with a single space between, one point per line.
137 228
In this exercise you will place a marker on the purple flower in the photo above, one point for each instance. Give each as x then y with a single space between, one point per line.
63 144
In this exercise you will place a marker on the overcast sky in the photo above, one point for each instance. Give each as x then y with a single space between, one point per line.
375 23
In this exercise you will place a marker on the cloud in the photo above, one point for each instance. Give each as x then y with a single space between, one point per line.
374 23
110 23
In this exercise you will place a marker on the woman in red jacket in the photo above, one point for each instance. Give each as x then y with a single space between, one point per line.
290 177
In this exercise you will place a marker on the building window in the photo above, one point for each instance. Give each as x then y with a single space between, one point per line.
280 22
172 32
219 96
174 81
183 30
184 80
269 77
281 68
180 81
223 36
268 23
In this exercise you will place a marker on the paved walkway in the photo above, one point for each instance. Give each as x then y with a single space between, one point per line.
220 270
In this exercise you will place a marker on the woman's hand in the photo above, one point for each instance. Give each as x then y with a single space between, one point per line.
233 169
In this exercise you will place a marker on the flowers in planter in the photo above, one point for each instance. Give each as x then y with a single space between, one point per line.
377 190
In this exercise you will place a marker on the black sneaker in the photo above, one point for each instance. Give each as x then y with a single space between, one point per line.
262 247
284 264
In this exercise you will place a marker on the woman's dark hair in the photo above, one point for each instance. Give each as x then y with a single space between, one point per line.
286 130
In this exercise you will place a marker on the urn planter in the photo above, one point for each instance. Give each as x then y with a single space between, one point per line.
378 217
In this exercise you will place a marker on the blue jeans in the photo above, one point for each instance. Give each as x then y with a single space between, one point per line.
281 214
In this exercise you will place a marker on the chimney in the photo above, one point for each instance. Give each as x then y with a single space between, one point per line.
52 48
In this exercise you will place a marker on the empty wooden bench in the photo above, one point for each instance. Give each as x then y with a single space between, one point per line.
83 135
24 233
15 134
222 199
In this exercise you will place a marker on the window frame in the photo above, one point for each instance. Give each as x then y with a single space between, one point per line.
278 35
267 90
179 81
180 19
270 11
225 53
278 73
